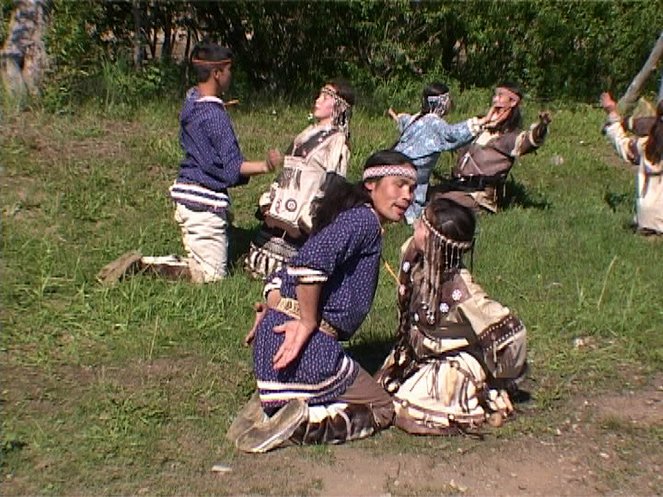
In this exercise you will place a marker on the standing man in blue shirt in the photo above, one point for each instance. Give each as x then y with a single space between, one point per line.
213 162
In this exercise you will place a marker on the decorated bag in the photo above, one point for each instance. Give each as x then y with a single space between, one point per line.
297 186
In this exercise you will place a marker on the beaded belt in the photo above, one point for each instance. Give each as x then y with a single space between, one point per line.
290 307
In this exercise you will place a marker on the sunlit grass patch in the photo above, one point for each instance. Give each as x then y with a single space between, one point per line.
146 375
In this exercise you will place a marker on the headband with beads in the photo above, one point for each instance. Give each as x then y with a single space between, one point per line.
447 241
382 171
329 90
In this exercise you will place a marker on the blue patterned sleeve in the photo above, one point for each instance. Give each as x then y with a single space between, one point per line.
454 135
352 232
403 120
228 161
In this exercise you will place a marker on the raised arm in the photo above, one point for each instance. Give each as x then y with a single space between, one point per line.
614 130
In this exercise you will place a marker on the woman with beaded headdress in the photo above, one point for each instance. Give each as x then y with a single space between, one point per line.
310 391
647 153
458 353
321 149
426 134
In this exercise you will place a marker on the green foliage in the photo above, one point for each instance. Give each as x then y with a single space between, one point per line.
6 8
386 49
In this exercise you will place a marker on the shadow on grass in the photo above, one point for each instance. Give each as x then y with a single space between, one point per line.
240 239
515 194
616 200
371 354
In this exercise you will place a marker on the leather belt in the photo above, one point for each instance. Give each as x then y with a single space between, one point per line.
290 307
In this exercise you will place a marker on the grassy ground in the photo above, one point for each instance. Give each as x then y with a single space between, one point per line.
130 389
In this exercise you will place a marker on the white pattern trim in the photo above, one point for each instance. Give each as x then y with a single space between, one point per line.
199 200
276 390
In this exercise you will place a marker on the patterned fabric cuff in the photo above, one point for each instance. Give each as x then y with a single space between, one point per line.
307 275
474 126
531 135
273 284
613 117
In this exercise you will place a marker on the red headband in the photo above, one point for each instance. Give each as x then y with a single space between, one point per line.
211 63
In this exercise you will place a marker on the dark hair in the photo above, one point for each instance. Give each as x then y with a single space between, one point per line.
339 195
344 90
451 219
209 52
512 87
432 90
654 146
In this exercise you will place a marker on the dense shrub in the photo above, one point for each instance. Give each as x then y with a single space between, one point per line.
555 49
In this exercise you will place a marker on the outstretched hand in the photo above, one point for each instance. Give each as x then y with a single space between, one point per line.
392 113
544 118
274 159
607 102
297 333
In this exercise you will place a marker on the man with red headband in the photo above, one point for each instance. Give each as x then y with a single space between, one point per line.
483 166
310 391
213 162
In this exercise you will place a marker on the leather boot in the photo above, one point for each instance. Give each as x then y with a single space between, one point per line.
336 423
169 267
274 431
250 415
125 265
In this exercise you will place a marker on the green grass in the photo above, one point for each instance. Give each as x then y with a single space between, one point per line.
117 390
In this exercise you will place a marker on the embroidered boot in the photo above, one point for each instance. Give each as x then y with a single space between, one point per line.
336 423
170 267
251 414
275 431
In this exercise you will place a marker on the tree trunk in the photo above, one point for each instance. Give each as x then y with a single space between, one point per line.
138 36
23 59
167 47
630 98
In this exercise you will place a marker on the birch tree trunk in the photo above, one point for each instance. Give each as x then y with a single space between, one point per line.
23 58
630 98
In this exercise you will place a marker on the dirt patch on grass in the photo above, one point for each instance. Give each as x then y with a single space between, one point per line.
608 444
53 141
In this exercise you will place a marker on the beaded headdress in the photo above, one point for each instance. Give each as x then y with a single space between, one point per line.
439 104
342 110
381 171
441 255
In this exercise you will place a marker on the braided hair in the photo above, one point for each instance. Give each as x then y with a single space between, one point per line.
451 228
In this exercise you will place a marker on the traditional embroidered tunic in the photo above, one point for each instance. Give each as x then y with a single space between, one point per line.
212 157
449 357
323 150
649 179
345 257
484 165
423 139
